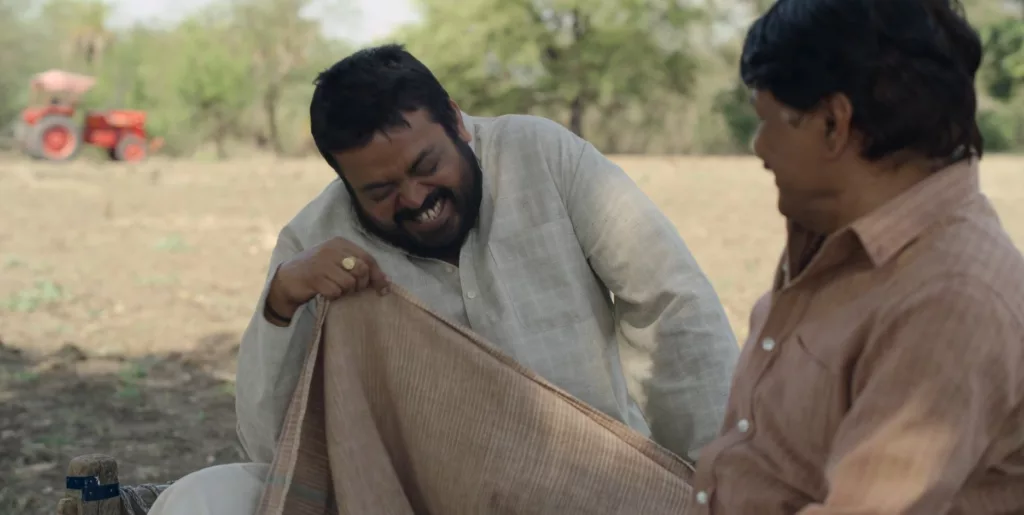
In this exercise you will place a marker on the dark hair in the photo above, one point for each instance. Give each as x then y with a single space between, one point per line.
368 92
907 66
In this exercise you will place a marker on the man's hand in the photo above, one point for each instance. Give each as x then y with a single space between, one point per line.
334 268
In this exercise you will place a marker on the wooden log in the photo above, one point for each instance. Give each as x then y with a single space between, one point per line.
67 506
92 487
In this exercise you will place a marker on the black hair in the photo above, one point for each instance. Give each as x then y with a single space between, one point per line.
368 92
907 66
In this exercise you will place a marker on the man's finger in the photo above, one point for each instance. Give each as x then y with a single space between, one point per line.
378 280
329 288
361 272
354 267
348 283
343 278
345 249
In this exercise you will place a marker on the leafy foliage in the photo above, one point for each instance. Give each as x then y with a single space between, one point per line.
568 57
643 76
1004 42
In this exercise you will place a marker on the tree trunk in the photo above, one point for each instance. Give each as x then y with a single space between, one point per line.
270 102
219 145
261 140
220 136
577 107
576 116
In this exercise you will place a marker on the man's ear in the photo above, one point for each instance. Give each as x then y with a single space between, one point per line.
836 115
464 134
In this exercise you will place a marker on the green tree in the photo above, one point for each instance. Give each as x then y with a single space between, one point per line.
1004 70
565 58
16 57
1003 78
734 106
213 83
80 27
284 43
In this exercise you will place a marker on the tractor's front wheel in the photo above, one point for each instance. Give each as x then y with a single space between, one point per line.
130 148
54 138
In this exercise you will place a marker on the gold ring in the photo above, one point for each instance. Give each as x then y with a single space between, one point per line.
348 263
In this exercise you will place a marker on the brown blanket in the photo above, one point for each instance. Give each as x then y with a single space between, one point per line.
418 415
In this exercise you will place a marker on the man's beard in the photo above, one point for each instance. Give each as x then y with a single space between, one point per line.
466 203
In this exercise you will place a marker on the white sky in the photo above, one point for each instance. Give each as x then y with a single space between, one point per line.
375 18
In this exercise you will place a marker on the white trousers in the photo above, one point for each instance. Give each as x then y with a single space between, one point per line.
232 489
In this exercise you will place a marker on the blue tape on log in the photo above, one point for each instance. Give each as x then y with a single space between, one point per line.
91 488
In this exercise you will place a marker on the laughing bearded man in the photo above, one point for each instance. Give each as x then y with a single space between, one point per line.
512 226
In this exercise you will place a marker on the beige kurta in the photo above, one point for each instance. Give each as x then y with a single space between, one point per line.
561 229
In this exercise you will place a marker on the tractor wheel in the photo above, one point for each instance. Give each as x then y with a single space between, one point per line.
54 138
130 148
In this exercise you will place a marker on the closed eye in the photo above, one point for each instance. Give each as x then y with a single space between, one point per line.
381 192
426 171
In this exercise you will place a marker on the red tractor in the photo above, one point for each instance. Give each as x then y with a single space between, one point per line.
48 131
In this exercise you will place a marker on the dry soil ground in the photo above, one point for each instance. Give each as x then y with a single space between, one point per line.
124 289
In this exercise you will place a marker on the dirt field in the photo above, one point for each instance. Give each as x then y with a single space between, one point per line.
124 290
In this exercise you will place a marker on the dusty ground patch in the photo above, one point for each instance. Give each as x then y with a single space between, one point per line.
123 291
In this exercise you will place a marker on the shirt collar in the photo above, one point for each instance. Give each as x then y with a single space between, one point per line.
887 230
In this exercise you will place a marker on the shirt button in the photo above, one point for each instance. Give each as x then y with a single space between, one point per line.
450 269
743 425
768 344
471 294
702 497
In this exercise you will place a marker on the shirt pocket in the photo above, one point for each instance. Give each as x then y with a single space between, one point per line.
800 399
829 346
544 272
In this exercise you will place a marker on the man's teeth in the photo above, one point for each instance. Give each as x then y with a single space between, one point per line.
431 213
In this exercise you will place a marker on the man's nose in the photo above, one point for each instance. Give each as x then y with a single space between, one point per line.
412 194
